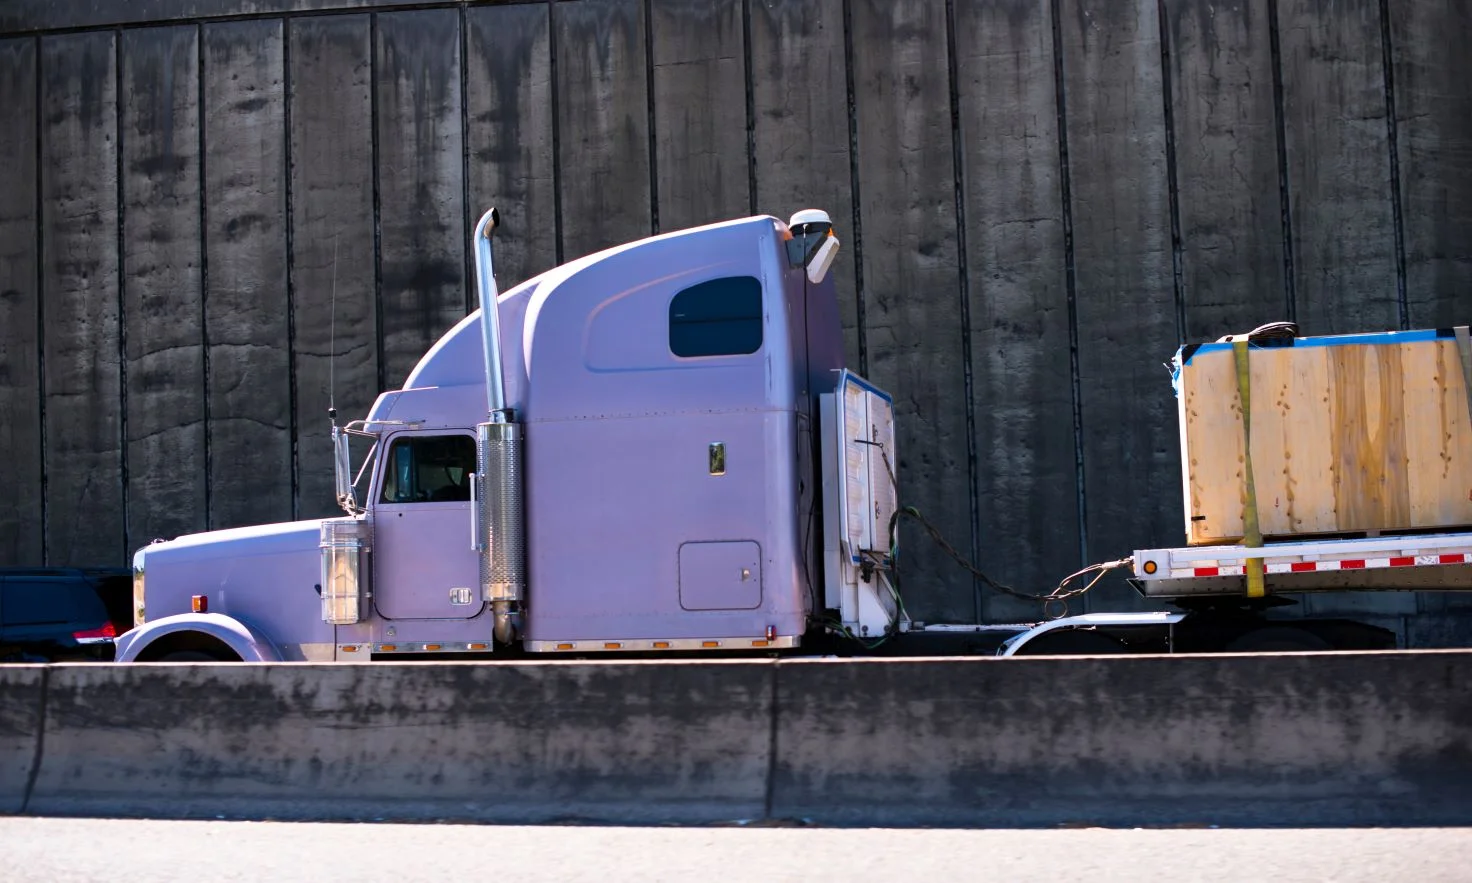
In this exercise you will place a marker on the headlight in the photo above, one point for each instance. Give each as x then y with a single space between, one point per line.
138 588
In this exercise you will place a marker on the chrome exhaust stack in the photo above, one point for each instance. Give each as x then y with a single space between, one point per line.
498 499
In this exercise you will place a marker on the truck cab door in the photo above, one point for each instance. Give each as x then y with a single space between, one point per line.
424 566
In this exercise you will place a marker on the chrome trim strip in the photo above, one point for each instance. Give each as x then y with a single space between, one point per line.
366 647
749 642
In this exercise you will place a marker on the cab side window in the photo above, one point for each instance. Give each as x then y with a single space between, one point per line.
720 317
428 468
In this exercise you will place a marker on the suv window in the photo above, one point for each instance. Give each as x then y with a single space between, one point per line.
42 601
721 317
428 468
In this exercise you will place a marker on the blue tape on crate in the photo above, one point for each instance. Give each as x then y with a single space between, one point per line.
1189 351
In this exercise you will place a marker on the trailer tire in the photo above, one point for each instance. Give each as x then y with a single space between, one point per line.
1072 642
1278 639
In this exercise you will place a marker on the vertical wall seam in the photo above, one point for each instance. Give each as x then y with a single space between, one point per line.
1392 127
773 709
293 418
750 106
853 176
39 753
1070 276
204 278
555 86
471 288
377 198
117 121
1285 202
649 101
41 303
1172 176
958 172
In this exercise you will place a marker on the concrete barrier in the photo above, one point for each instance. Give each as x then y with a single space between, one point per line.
1326 739
21 692
1292 739
638 742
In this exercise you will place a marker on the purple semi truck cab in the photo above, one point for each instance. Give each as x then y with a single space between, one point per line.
623 455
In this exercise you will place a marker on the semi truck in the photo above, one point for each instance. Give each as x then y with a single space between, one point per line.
658 450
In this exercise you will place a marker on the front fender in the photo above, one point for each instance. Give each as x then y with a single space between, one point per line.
248 644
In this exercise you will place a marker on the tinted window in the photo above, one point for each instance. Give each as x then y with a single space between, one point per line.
428 468
39 601
722 317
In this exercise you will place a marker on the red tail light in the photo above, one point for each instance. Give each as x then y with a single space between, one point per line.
106 633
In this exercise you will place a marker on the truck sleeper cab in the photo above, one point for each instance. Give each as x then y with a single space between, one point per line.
664 395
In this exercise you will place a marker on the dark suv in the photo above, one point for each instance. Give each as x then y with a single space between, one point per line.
60 614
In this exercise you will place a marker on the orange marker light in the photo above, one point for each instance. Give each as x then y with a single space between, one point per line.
200 603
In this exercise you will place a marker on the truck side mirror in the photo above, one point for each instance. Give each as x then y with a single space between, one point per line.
343 472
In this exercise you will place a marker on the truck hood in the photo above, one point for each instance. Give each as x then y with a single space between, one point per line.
244 542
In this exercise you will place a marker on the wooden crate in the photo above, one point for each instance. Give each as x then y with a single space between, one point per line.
1350 434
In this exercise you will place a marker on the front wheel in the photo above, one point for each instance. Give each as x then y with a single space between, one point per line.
188 656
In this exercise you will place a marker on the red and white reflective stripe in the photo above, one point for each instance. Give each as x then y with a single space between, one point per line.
1321 566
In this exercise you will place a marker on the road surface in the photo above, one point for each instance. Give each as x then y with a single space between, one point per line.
49 850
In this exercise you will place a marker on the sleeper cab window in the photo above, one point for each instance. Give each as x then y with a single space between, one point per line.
428 468
719 317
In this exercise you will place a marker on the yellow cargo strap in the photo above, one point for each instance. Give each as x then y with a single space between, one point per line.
1464 348
1251 532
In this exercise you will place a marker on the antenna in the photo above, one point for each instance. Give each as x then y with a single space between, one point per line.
332 344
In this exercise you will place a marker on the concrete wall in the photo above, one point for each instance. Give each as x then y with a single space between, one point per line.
1040 201
1307 739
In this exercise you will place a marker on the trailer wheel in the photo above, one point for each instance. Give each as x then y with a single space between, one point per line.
1072 642
1278 639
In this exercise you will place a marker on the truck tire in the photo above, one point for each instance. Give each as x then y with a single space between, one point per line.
1072 642
188 656
1278 639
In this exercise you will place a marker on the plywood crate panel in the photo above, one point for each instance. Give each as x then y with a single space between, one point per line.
1350 434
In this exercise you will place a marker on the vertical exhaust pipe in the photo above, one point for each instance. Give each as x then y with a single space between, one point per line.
498 499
